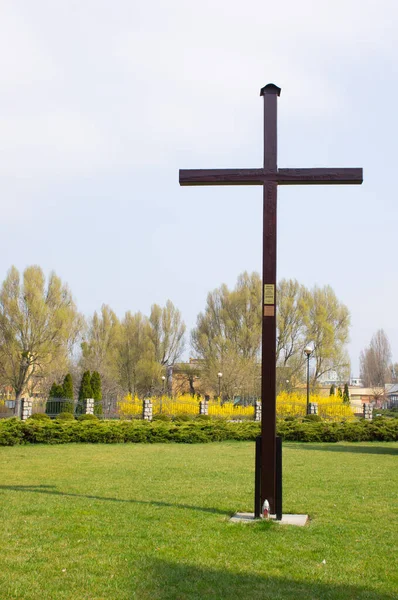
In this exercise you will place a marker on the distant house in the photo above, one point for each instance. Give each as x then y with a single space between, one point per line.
392 396
330 378
361 395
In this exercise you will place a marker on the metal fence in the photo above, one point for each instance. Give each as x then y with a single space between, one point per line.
116 408
7 408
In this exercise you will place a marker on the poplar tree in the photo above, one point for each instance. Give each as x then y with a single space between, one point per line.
85 391
346 394
97 392
67 393
53 404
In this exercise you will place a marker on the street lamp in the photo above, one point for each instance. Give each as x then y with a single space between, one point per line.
308 351
219 375
164 383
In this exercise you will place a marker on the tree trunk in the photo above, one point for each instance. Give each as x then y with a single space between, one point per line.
17 409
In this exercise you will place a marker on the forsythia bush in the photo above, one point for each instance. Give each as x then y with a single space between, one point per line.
130 406
329 407
184 404
229 410
287 405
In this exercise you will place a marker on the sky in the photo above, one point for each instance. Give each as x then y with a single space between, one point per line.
103 101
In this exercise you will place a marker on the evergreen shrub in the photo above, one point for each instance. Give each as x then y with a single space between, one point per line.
66 416
87 418
317 418
181 418
85 391
67 393
46 431
162 417
39 417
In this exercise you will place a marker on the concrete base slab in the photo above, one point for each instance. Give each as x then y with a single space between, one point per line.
245 517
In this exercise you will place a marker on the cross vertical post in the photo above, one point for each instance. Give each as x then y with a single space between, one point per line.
270 94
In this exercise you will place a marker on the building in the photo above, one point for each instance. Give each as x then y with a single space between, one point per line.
392 396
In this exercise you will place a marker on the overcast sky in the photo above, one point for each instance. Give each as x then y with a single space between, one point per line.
102 101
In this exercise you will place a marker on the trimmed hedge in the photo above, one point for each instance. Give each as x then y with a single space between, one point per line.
13 431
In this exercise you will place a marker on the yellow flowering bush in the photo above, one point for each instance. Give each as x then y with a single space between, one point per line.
291 404
184 404
294 404
130 406
229 410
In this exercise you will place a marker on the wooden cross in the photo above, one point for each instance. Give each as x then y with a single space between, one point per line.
269 177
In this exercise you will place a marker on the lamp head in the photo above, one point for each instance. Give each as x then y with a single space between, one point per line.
308 350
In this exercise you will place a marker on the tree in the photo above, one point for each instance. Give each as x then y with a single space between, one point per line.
100 349
54 395
327 323
290 319
346 394
96 385
340 392
97 392
56 391
186 375
139 372
332 390
85 391
375 363
394 373
227 337
67 387
39 324
67 394
291 298
167 331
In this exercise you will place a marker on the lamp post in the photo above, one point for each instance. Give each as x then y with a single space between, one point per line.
308 351
164 383
219 375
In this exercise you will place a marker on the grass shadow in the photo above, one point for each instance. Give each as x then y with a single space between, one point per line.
335 447
50 490
171 581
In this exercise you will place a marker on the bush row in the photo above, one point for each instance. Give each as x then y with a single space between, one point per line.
13 431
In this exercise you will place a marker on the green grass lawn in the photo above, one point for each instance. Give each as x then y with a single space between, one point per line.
151 522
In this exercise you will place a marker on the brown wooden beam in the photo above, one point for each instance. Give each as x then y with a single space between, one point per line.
224 176
329 176
319 176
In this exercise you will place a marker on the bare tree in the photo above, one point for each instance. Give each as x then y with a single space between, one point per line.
375 363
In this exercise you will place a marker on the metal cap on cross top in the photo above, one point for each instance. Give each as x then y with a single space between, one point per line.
270 88
269 177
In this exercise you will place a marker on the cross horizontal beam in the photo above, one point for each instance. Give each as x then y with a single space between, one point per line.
262 176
